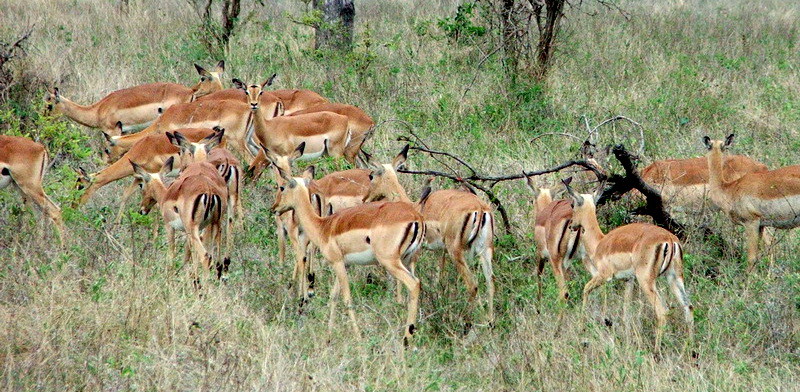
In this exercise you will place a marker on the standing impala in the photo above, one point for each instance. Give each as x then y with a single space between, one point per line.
684 182
322 133
756 200
639 250
22 163
554 241
386 233
358 122
234 116
457 221
135 108
194 203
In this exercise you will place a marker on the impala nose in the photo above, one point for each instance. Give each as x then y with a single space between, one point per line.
253 106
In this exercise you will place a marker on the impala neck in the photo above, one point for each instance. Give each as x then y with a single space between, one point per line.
159 191
309 220
715 167
84 115
592 234
543 200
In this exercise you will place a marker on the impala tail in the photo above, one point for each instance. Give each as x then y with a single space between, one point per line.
207 207
667 256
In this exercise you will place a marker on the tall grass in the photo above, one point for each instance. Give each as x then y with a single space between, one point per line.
111 312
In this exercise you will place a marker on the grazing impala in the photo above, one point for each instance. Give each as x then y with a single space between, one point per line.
150 153
235 117
194 203
457 221
554 241
756 200
22 163
639 250
135 108
386 233
358 122
297 100
684 182
322 133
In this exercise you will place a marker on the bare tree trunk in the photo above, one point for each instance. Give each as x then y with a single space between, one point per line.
336 29
509 26
547 36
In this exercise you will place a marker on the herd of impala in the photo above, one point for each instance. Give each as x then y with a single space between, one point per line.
172 140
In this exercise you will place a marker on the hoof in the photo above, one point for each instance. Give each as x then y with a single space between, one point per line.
608 322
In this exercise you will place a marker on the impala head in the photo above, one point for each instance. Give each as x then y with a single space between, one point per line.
209 80
52 98
113 151
290 190
151 183
191 152
84 179
284 162
583 207
383 182
720 145
594 155
254 91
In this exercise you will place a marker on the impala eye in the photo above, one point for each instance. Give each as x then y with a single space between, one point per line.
370 177
203 79
281 189
141 186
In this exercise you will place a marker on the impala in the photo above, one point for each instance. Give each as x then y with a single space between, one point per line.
235 117
22 164
456 220
195 203
684 182
150 153
386 233
756 200
322 133
293 100
226 164
554 241
638 250
333 192
134 108
358 122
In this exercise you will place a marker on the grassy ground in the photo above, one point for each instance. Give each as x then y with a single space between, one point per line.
110 312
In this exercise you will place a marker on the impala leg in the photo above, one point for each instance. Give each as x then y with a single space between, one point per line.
171 241
300 267
486 263
341 274
469 281
36 193
648 286
629 285
332 302
679 290
440 272
126 194
401 274
557 262
310 275
766 239
592 284
752 233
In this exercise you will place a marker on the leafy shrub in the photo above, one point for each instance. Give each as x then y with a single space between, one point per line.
461 28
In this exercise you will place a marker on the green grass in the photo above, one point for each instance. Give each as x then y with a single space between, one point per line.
110 311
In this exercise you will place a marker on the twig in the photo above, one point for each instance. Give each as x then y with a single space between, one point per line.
477 69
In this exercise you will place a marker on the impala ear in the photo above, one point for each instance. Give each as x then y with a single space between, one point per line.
400 159
180 141
202 71
213 140
168 167
707 142
269 81
118 127
283 174
298 152
587 149
309 173
56 93
576 198
139 172
239 84
729 140
82 172
529 182
220 68
109 139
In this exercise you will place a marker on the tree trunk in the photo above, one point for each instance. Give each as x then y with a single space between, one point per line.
336 29
509 35
547 37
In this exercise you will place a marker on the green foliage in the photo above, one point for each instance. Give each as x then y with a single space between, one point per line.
461 27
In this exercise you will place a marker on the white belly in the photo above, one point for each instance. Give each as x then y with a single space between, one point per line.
625 274
4 181
131 128
365 257
176 223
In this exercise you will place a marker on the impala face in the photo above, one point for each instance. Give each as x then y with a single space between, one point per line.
209 80
52 99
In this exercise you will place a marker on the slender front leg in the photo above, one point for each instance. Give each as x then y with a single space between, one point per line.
752 233
341 275
125 196
401 274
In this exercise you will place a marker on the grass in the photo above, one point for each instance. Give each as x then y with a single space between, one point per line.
110 312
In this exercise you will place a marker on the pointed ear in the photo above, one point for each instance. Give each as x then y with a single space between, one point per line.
139 172
283 174
707 142
56 93
118 127
220 68
180 141
587 149
269 81
271 158
309 173
212 141
400 159
729 140
239 84
202 71
298 152
82 172
109 139
574 196
529 182
168 167
218 129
